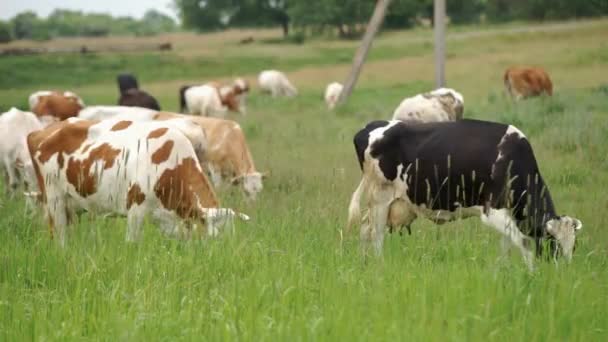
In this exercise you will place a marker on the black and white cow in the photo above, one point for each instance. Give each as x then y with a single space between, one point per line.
450 170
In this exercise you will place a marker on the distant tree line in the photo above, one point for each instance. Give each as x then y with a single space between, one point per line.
347 17
68 23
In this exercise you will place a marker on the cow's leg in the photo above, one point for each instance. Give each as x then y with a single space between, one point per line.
135 218
58 219
215 175
13 180
169 222
502 221
380 201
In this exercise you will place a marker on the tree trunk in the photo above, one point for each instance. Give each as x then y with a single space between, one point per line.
372 28
285 26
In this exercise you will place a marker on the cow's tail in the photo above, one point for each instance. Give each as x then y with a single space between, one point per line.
354 208
182 98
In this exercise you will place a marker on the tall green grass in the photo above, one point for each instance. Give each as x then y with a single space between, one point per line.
286 274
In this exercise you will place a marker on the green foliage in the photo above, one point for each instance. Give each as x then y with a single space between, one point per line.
208 15
69 23
464 11
502 10
6 34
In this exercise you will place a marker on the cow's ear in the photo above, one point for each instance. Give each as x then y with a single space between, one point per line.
578 225
551 228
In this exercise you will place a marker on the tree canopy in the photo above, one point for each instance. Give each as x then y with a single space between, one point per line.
345 17
69 23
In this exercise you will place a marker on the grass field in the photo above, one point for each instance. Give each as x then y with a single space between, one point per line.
285 275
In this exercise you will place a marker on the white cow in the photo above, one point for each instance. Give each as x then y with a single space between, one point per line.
15 125
332 94
205 100
443 104
276 83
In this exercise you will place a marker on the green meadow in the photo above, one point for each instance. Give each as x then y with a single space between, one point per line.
289 274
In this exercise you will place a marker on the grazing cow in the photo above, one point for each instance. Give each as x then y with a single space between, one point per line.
523 82
443 104
138 98
276 83
125 168
208 100
332 94
223 149
227 156
449 170
201 100
126 82
55 104
15 125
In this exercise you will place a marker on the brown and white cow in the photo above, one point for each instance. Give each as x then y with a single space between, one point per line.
226 156
213 98
524 82
55 104
125 168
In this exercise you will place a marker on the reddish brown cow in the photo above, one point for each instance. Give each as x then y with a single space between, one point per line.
524 82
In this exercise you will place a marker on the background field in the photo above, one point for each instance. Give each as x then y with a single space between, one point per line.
285 275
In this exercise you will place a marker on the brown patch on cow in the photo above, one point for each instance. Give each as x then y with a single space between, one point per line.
163 153
135 196
181 189
157 133
78 172
121 125
61 137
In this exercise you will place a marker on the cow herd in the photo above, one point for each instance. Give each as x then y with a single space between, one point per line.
134 160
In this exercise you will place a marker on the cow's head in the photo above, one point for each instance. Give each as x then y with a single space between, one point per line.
451 100
564 230
240 86
252 183
217 218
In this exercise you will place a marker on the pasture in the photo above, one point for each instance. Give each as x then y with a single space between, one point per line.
285 275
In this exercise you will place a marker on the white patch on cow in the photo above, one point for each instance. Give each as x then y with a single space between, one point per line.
502 221
73 95
514 130
111 112
448 91
34 98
